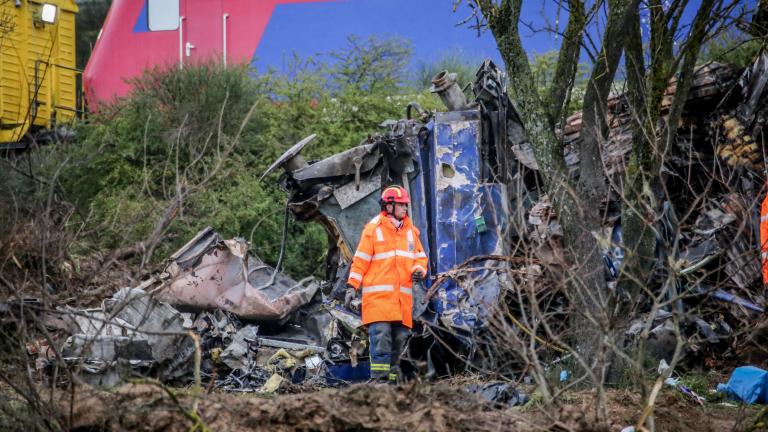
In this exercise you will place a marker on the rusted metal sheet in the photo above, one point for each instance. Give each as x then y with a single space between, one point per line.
209 273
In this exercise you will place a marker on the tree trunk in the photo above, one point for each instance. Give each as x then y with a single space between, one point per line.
643 176
503 22
577 206
639 209
567 64
593 325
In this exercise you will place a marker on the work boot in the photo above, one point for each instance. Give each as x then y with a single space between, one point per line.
396 376
378 380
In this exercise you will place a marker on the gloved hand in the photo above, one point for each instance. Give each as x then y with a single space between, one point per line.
349 296
417 275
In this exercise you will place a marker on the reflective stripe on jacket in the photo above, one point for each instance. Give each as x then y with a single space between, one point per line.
764 238
383 264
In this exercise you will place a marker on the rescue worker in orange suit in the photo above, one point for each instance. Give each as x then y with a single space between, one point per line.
388 257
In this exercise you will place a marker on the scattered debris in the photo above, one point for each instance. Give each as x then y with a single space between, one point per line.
42 351
475 188
685 391
142 331
131 332
272 384
210 273
748 384
237 354
499 394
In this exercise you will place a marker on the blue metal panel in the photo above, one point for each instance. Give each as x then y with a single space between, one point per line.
468 218
344 372
455 166
494 209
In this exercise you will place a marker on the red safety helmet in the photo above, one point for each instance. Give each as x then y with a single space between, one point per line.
395 194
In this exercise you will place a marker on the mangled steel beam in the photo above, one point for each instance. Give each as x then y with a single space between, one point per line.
711 83
277 343
458 166
132 314
132 330
210 273
454 166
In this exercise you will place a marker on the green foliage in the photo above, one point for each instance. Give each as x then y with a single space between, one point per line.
345 100
732 47
190 131
179 131
702 382
88 22
207 133
543 68
372 64
172 129
241 206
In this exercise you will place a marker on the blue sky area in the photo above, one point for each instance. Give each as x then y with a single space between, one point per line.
310 29
430 25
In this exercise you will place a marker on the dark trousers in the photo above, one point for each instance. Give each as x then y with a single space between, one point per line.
387 343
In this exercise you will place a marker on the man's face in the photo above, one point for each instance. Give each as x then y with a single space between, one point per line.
400 210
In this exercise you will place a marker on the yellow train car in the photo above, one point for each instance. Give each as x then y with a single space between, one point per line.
38 78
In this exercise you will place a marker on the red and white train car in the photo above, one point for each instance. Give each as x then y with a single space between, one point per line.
140 34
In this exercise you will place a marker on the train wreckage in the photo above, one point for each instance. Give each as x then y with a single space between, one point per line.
474 183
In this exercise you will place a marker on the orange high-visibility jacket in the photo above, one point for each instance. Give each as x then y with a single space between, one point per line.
764 238
383 264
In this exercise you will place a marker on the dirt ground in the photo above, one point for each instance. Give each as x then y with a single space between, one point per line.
416 407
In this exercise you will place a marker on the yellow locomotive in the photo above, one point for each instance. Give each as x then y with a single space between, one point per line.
38 78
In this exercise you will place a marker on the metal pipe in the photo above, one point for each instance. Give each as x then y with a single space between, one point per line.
224 38
181 42
276 343
444 84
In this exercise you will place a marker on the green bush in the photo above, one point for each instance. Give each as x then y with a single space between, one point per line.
179 131
732 47
207 133
211 132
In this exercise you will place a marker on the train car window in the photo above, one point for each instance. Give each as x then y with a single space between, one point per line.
163 14
48 13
